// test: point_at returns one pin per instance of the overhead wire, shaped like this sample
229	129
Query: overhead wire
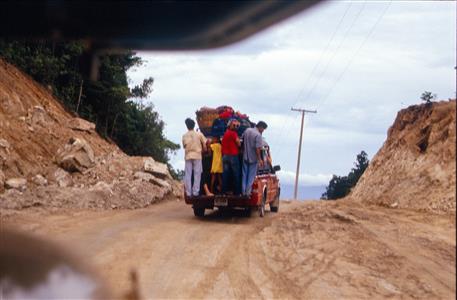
288	122
341	75
336	51
322	74
323	53
356	52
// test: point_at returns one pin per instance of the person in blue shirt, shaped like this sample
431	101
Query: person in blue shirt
252	149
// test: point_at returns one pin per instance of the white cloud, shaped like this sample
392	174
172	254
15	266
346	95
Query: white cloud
288	177
178	164
357	93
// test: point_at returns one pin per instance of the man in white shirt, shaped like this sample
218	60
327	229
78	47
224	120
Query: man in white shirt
193	143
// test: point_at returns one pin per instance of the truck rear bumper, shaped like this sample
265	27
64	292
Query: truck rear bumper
221	201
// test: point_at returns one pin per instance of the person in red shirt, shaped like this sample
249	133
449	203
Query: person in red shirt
231	173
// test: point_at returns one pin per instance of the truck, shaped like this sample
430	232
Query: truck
265	191
265	188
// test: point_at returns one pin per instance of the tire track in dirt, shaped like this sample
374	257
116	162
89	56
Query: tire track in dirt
379	245
234	271
430	268
316	249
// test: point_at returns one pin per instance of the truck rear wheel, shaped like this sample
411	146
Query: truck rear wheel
199	212
274	206
262	206
247	212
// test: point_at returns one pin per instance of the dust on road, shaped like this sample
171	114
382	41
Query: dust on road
314	249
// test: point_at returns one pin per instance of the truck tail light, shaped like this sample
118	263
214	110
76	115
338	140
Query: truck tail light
254	187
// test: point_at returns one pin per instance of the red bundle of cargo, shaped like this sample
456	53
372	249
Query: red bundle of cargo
213	121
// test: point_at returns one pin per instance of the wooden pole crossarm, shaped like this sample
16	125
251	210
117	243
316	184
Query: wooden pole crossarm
303	111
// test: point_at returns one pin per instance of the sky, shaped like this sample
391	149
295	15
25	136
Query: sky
356	62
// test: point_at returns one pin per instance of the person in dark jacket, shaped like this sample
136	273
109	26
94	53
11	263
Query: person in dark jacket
252	149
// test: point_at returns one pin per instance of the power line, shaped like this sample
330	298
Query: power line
337	49
352	58
323	52
357	51
287	134
315	67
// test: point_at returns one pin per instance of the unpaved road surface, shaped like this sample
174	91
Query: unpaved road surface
316	249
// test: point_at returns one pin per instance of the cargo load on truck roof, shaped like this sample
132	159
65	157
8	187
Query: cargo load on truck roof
213	121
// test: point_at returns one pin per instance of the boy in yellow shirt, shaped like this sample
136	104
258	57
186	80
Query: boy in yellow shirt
216	166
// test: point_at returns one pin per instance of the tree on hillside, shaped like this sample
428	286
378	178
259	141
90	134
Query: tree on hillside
52	64
340	186
360	165
108	95
115	108
428	97
139	128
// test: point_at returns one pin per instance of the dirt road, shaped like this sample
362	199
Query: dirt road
308	250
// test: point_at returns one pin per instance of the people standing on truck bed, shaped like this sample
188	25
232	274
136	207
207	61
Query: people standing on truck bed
193	143
216	166
252	147
266	155
230	160
205	182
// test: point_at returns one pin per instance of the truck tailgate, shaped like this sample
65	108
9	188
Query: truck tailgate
221	201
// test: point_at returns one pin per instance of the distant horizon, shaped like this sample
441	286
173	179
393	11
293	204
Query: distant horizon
304	192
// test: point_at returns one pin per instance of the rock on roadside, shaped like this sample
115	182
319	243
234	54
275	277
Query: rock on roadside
81	125
76	156
40	180
4	151
63	178
143	176
156	168
2	181
161	183
38	116
4	144
154	180
16	183
103	187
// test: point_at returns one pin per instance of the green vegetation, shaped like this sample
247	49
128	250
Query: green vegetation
427	97
115	108
340	186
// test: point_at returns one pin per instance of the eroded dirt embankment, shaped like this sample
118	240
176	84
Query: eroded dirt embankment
415	168
49	158
316	249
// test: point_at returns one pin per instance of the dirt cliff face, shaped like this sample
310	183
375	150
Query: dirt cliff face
416	166
50	158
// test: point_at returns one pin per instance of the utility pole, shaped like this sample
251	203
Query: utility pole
303	111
